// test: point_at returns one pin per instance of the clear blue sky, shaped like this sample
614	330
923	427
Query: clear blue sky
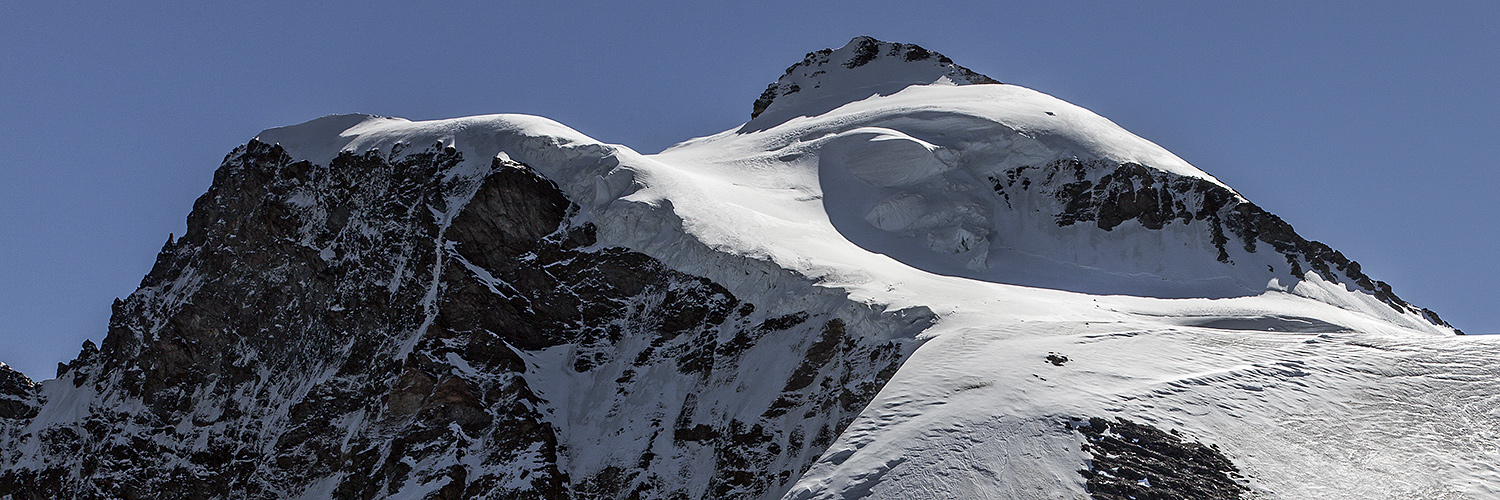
1370	126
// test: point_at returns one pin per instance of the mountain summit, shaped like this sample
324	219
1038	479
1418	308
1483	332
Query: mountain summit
864	67
899	279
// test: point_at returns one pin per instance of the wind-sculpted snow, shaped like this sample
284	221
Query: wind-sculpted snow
901	279
1004	184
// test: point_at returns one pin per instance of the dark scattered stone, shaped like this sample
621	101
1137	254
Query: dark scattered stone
1056	359
1138	461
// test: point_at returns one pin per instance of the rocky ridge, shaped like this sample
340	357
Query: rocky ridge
1107	194
870	66
374	327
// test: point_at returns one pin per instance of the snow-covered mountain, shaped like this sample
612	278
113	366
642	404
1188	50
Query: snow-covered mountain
899	279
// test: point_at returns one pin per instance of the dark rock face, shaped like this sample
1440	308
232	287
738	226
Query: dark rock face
1155	198
19	400
1138	461
385	324
18	395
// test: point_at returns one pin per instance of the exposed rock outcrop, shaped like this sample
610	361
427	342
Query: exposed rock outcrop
880	68
18	395
1138	461
1108	194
